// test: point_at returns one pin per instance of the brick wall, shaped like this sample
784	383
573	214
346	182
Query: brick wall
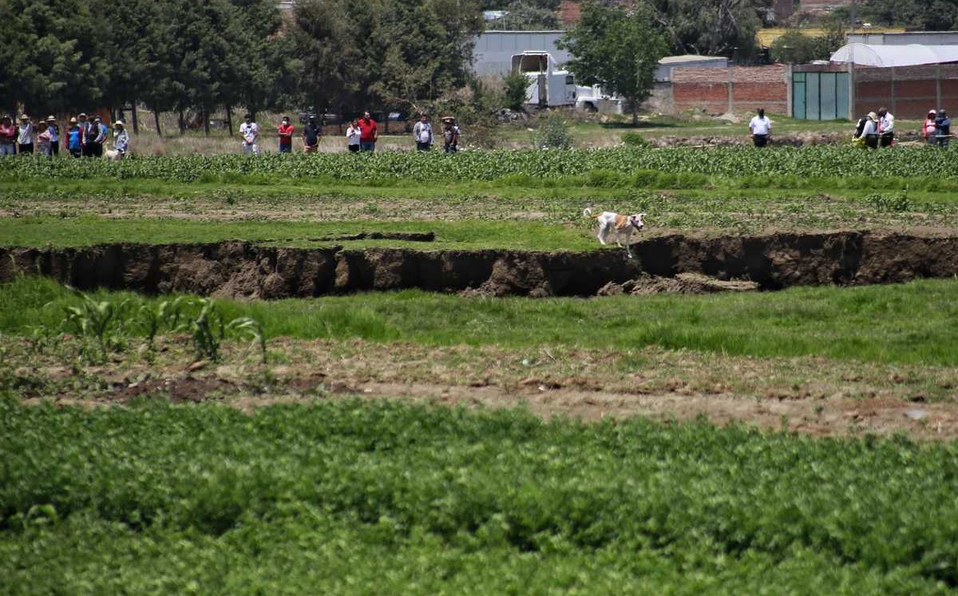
908	92
750	87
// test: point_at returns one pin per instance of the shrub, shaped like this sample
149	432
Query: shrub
554	133
516	86
634	139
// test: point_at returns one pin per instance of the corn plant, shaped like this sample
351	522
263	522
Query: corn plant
253	330
93	319
208	330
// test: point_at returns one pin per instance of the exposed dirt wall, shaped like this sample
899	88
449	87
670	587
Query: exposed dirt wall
243	269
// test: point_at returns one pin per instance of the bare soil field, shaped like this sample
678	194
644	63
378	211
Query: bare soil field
813	396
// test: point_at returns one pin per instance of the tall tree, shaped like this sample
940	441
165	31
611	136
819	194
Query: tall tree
711	27
618	49
51	58
386	53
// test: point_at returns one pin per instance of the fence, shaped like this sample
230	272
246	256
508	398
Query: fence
734	89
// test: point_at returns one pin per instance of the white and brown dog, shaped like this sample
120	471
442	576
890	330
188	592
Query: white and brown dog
620	224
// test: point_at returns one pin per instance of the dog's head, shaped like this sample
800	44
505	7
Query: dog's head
636	221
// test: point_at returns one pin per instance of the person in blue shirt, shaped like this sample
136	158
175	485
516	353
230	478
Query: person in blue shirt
75	139
942	129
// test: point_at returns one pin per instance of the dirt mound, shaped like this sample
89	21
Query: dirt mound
791	140
244	269
683	283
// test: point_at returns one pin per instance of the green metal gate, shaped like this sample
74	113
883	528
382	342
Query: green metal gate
819	95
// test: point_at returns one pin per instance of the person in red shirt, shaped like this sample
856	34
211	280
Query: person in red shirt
368	133
285	136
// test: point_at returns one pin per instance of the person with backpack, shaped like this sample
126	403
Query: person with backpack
74	139
422	132
285	132
25	135
311	136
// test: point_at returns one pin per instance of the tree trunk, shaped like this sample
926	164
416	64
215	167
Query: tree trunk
635	113
136	123
182	122
229	118
156	117
206	122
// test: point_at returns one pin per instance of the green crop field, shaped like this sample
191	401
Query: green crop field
661	440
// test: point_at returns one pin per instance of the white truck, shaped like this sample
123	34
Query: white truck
550	87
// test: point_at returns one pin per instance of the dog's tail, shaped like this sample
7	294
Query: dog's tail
587	212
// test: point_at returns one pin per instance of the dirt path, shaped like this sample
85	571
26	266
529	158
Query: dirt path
812	396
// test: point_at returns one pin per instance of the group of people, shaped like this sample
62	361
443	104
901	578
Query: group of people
876	130
84	137
361	135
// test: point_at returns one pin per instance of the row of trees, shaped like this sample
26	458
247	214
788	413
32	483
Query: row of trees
62	56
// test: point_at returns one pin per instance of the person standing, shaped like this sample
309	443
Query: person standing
54	130
43	140
121	139
8	137
86	128
74	139
353	136
311	135
25	135
285	131
450	135
761	129
886	128
422	132
943	129
929	128
369	133
870	131
249	130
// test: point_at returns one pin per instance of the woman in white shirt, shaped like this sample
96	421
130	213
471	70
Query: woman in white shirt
870	132
353	135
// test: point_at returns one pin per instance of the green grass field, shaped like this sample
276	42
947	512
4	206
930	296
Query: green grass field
332	461
359	498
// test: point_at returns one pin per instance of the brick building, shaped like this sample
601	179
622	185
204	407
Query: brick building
734	89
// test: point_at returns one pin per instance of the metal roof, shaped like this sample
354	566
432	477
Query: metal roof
884	56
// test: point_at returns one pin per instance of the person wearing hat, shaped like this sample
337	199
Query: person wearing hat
8	137
928	129
311	135
25	135
54	129
121	139
942	129
450	134
285	131
870	131
74	138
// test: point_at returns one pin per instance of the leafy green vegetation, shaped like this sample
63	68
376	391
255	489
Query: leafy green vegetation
909	323
359	498
777	167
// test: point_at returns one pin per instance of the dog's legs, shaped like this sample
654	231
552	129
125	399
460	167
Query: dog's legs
628	241
603	232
